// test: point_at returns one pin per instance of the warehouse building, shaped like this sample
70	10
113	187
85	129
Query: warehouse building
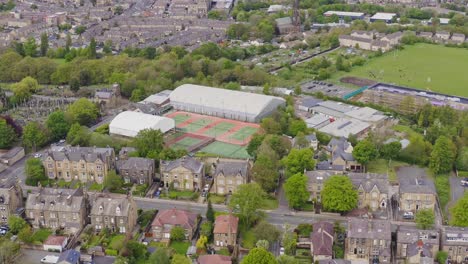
249	107
129	123
342	14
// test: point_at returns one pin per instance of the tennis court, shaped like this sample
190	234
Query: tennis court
186	143
219	129
243	133
181	118
223	149
196	125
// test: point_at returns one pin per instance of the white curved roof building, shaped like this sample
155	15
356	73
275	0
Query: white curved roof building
129	123
249	107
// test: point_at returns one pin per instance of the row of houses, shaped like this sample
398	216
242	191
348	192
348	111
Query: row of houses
369	40
90	164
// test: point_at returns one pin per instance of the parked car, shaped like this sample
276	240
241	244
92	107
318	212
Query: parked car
37	155
50	259
408	215
281	251
464	182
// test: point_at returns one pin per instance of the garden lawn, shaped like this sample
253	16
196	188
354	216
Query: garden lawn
180	247
381	166
41	235
217	199
117	242
423	66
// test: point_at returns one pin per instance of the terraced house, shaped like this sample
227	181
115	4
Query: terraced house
455	242
116	212
85	164
11	199
185	173
57	209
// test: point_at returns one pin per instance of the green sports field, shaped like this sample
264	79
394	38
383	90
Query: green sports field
422	66
196	125
219	129
226	150
243	133
185	143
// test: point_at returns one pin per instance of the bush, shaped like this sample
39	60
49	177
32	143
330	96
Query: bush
177	234
111	252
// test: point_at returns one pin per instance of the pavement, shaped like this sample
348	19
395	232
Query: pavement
28	256
457	191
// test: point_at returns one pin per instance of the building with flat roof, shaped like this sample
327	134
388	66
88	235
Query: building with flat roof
130	123
249	107
343	127
343	14
387	17
317	121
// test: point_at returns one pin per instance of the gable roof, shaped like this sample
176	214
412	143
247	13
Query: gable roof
177	217
187	162
111	204
232	168
88	154
371	229
225	224
367	181
52	199
322	238
134	163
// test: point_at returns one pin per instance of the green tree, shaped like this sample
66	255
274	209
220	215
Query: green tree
23	89
74	84
78	135
254	144
365	151
16	224
259	256
34	171
442	156
7	134
289	241
160	256
246	200
266	231
441	257
8	250
265	172
391	150
210	214
460	212
113	182
270	126
339	194
34	136
296	191
30	47
180	259
462	160
300	141
263	244
149	142
68	43
177	233
299	160
80	30
83	111
44	44
206	229
285	259
201	242
304	229
296	126
424	219
57	125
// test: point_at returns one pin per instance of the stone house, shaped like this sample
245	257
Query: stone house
116	212
381	45
442	35
11	199
352	42
228	175
285	25
322	239
12	156
86	164
136	170
316	179
413	243
393	39
368	240
341	153
458	38
185	173
454	241
370	35
225	230
372	190
312	142
165	220
57	209
416	193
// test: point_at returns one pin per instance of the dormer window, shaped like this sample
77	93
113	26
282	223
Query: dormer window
101	208
2	199
117	210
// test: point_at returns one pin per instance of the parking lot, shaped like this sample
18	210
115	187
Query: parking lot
328	89
29	256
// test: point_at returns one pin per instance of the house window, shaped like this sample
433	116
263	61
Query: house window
187	185
239	182
167	235
98	167
75	216
229	181
52	215
59	165
221	182
31	214
187	177
49	166
68	174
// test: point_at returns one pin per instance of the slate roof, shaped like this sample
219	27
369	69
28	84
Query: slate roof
52	199
368	180
419	247
232	168
370	229
69	257
175	217
311	137
334	261
134	163
5	195
284	21
187	162
410	234
318	176
455	236
416	184
322	238
126	150
225	224
110	204
89	154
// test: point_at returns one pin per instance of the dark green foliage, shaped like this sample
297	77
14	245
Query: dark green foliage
35	172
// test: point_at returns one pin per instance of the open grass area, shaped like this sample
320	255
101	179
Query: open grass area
95	187
180	247
270	204
219	129
217	199
243	133
422	66
117	242
382	166
221	149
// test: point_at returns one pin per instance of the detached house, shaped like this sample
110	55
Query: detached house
165	220
11	199
372	190
225	230
57	209
416	192
185	173
116	212
368	240
228	175
86	164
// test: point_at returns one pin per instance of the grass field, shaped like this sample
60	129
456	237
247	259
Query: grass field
243	133
185	143
422	66
226	150
219	129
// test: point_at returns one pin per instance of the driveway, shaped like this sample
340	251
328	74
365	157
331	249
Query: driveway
29	256
457	191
